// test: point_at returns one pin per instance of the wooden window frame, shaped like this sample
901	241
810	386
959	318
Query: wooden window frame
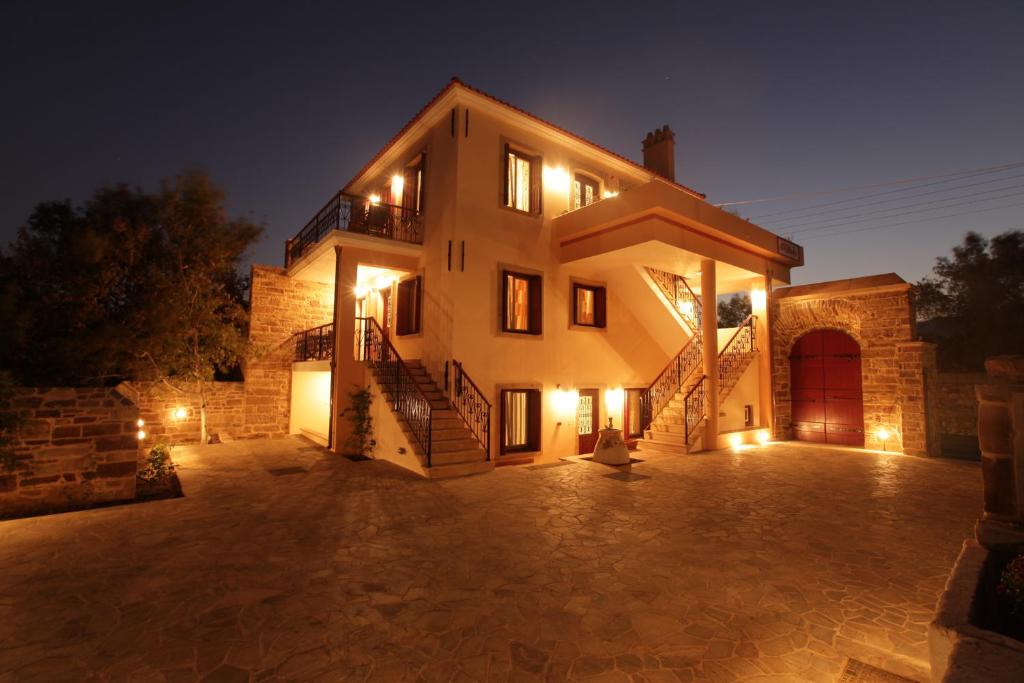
584	179
533	421
600	305
416	169
535	302
406	323
536	198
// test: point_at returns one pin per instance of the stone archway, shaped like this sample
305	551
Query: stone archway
826	389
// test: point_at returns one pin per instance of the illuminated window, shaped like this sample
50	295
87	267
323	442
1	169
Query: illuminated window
522	181
633	417
521	303
520	420
584	191
588	305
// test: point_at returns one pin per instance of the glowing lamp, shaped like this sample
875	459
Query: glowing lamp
758	298
763	437
883	434
141	434
735	440
608	194
360	291
565	401
375	198
140	422
557	178
384	281
180	413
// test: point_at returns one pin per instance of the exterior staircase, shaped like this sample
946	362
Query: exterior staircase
667	432
455	451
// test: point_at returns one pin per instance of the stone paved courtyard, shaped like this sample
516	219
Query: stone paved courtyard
771	564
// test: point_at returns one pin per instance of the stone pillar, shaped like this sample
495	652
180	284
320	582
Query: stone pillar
916	362
759	307
709	330
346	371
1001	439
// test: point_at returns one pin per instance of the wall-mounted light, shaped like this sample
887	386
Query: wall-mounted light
375	198
758	298
140	422
179	413
614	399
735	441
556	178
141	435
565	402
360	291
763	437
384	282
608	194
883	434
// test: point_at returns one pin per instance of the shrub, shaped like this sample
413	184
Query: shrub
159	465
1011	584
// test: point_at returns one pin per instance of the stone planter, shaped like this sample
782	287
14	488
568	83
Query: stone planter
959	649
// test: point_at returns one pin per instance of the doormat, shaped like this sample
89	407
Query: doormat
859	672
547	465
282	471
627	476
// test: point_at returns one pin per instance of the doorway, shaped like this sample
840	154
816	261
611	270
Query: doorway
588	412
825	381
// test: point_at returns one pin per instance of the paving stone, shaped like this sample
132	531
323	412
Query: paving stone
770	564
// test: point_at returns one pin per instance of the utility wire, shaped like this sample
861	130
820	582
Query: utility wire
845	220
918	220
870	187
758	220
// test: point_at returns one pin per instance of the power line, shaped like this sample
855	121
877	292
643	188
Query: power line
816	225
919	220
872	186
881	201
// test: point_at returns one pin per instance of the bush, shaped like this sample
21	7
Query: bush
159	465
1011	585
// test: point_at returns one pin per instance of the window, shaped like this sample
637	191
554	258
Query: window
520	420
522	181
412	188
584	191
520	303
633	414
410	300
588	305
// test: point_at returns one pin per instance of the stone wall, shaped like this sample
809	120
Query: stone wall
281	306
877	312
72	447
172	414
958	404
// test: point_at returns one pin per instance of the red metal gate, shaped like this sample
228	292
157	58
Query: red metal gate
825	386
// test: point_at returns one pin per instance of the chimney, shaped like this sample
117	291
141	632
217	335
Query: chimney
660	152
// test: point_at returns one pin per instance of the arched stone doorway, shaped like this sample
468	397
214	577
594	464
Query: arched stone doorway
825	388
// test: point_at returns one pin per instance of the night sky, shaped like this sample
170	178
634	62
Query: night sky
282	102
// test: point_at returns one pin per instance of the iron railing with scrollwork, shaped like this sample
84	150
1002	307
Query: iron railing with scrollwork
671	380
679	294
470	403
316	343
404	394
351	213
693	409
732	360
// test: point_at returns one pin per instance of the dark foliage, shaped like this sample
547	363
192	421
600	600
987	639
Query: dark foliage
733	311
973	305
129	285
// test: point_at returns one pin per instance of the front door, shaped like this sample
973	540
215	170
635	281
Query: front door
825	374
587	415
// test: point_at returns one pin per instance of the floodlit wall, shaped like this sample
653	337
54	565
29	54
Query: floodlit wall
311	400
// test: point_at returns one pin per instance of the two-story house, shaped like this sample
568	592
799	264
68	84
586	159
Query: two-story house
506	287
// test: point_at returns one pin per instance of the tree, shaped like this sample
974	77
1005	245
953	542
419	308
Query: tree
129	286
732	312
973	305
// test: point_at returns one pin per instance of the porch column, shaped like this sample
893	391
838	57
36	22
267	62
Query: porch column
760	294
345	369
709	330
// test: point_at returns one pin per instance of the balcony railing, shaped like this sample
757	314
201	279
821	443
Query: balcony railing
316	343
679	294
350	213
731	359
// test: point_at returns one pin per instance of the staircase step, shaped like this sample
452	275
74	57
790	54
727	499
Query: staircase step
646	446
450	433
665	437
453	445
458	470
457	457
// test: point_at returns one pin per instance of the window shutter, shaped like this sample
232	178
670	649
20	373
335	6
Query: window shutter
536	305
408	199
600	299
506	180
503	304
423	181
575	294
533	424
502	421
417	298
402	322
536	191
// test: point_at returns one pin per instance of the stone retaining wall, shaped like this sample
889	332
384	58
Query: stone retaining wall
72	447
958	405
161	406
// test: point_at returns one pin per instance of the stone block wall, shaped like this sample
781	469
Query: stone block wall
72	447
957	402
877	312
160	404
281	306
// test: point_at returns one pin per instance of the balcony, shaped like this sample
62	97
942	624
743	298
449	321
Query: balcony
361	215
